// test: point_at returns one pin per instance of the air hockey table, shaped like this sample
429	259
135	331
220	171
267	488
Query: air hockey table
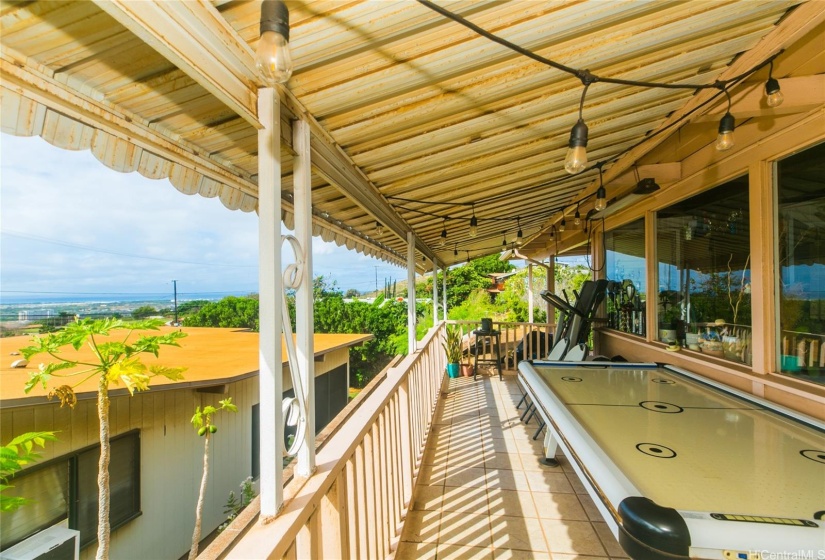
683	467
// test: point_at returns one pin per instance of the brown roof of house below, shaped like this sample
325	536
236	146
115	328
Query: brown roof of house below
212	356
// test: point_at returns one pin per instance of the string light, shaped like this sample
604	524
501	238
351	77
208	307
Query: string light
520	235
772	90
379	228
726	127
455	250
272	57
601	194
504	240
552	233
576	159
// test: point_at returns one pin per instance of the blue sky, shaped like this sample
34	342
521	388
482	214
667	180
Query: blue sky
70	225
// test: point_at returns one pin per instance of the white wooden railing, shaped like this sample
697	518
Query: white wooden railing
355	503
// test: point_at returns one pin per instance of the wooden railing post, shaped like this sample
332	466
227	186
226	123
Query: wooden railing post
405	422
334	521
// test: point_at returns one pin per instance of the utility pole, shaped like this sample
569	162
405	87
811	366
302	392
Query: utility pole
175	285
376	279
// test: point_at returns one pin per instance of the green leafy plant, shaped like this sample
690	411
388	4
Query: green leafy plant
18	453
202	421
113	362
234	506
452	344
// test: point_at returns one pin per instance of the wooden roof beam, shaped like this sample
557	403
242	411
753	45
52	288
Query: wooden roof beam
662	173
802	94
197	39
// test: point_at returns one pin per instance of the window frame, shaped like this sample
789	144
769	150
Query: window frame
72	515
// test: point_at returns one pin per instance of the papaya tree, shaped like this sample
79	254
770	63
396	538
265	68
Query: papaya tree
113	361
202	421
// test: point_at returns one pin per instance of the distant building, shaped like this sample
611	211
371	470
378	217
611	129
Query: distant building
497	280
156	454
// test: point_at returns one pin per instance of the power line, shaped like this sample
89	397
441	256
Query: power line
117	253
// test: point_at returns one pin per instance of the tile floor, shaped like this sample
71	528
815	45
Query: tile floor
482	492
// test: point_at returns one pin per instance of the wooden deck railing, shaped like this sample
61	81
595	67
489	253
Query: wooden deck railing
512	333
803	350
354	505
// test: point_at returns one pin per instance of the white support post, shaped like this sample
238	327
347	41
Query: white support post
304	307
530	292
444	292
411	342
435	294
551	286
270	287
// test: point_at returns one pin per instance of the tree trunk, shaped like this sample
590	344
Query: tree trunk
196	536
103	529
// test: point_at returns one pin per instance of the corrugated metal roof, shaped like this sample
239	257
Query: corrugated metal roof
412	112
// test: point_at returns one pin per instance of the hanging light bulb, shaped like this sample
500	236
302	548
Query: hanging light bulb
552	233
504	239
576	159
519	235
379	228
577	218
562	225
272	57
725	139
443	240
726	126
474	224
601	194
772	90
455	250
601	199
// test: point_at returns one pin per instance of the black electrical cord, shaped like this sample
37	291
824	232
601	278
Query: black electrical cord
585	76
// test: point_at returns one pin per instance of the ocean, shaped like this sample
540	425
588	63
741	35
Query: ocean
33	306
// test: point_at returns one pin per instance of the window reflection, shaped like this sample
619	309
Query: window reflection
626	293
703	247
801	254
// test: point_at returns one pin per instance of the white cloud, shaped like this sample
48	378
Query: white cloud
70	224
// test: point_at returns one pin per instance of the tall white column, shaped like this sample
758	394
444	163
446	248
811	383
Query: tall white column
550	284
530	292
304	306
270	287
411	343
435	294
444	292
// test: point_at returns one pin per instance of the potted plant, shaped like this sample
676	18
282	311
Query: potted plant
452	346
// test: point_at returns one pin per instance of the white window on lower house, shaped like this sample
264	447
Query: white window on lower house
64	490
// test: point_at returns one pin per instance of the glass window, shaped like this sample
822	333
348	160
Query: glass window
625	272
703	247
801	254
55	498
47	489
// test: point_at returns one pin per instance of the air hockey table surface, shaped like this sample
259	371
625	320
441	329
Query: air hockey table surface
680	466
